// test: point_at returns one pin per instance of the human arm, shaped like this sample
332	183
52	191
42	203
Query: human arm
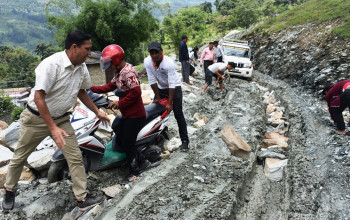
84	97
156	92
103	89
56	132
219	73
169	106
202	57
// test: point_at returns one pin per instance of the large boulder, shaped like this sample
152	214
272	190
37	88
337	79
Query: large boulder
234	142
40	160
26	175
11	134
5	155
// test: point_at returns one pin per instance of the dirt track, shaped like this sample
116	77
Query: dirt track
208	183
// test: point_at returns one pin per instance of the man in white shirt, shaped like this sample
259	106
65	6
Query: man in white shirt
217	70
166	83
59	80
219	53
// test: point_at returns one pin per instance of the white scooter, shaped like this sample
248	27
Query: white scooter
98	156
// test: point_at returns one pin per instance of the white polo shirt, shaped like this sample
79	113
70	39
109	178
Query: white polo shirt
165	75
61	82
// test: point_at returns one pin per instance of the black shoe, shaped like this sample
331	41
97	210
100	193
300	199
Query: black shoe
145	166
184	146
128	179
89	202
9	201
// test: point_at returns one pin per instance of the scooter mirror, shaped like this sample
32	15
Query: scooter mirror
120	93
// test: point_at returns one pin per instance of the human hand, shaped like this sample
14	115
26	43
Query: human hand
169	107
114	104
155	100
104	118
200	65
57	135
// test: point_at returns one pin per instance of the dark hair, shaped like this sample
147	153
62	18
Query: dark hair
75	37
215	42
233	64
184	37
211	42
195	50
326	87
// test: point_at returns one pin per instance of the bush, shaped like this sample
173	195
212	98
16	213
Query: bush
5	103
16	113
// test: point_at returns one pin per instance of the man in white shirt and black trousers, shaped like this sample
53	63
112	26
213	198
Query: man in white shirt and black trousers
166	83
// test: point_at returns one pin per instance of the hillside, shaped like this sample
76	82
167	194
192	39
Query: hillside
307	45
23	23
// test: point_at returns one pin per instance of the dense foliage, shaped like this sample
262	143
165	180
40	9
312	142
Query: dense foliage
126	23
17	65
16	113
5	103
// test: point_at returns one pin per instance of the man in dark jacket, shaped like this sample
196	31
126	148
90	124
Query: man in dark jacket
184	59
338	99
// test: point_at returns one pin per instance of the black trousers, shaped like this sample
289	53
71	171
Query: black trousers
177	108
219	59
206	64
126	132
337	111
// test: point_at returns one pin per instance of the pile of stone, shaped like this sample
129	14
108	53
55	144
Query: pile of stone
38	161
275	145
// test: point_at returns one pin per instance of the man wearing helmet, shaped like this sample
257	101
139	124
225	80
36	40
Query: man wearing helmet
59	80
165	83
131	106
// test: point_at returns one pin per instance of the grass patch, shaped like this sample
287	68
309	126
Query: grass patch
313	11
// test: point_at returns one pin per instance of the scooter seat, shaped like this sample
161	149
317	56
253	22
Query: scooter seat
153	110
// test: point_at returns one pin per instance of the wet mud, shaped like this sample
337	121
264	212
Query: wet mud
207	182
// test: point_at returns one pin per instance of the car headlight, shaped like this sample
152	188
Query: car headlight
247	65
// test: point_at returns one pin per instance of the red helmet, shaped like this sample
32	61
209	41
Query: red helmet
111	54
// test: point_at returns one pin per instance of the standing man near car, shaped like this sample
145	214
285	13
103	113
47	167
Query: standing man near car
59	80
184	59
165	83
218	52
208	57
338	99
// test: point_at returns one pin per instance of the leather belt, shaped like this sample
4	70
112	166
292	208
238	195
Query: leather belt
38	114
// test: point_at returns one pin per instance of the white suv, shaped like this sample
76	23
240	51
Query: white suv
239	52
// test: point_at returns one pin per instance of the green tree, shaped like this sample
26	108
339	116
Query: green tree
126	23
17	64
206	7
46	50
187	21
244	14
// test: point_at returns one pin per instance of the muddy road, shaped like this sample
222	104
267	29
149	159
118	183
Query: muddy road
207	182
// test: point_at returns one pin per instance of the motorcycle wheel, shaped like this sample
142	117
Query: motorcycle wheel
152	153
58	171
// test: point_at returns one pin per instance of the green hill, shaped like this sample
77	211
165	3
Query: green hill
313	11
23	23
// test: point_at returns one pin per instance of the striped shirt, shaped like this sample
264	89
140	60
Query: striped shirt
61	81
165	75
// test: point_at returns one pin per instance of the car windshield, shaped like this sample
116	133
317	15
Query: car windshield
236	51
